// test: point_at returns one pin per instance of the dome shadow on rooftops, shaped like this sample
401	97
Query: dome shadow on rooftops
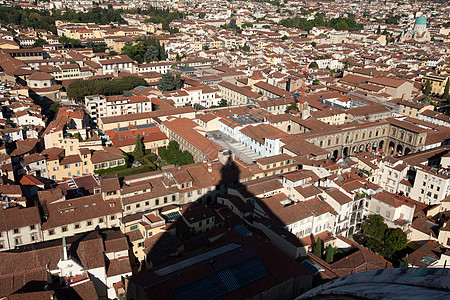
206	240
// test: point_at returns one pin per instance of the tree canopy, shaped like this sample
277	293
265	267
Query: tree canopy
138	151
330	254
55	107
45	19
163	16
293	106
170	82
313	65
381	239
66	40
317	248
446	95
79	88
147	49
427	90
307	25
173	155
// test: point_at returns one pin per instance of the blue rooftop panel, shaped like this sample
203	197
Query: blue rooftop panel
223	282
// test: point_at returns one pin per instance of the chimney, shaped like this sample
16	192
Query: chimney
209	167
64	248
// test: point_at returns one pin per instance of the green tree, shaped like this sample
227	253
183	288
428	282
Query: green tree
317	248
232	24
170	82
313	65
394	240
223	103
202	15
63	40
347	64
39	42
427	90
55	107
80	88
245	48
99	48
381	239
173	155
292	106
185	158
314	44
316	82
374	227
138	151
446	90
330	254
162	52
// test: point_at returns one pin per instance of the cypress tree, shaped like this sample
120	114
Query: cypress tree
446	90
330	254
317	249
138	151
427	90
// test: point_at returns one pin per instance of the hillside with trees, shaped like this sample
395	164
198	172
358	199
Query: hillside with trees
336	23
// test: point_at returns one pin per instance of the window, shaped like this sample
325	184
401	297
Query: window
51	232
100	220
147	203
133	227
77	226
17	241
138	205
113	217
16	230
174	198
165	199
89	223
388	214
64	228
156	202
200	224
378	209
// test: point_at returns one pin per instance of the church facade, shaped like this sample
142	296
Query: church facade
418	33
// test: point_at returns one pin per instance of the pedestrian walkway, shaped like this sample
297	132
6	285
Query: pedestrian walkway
242	153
